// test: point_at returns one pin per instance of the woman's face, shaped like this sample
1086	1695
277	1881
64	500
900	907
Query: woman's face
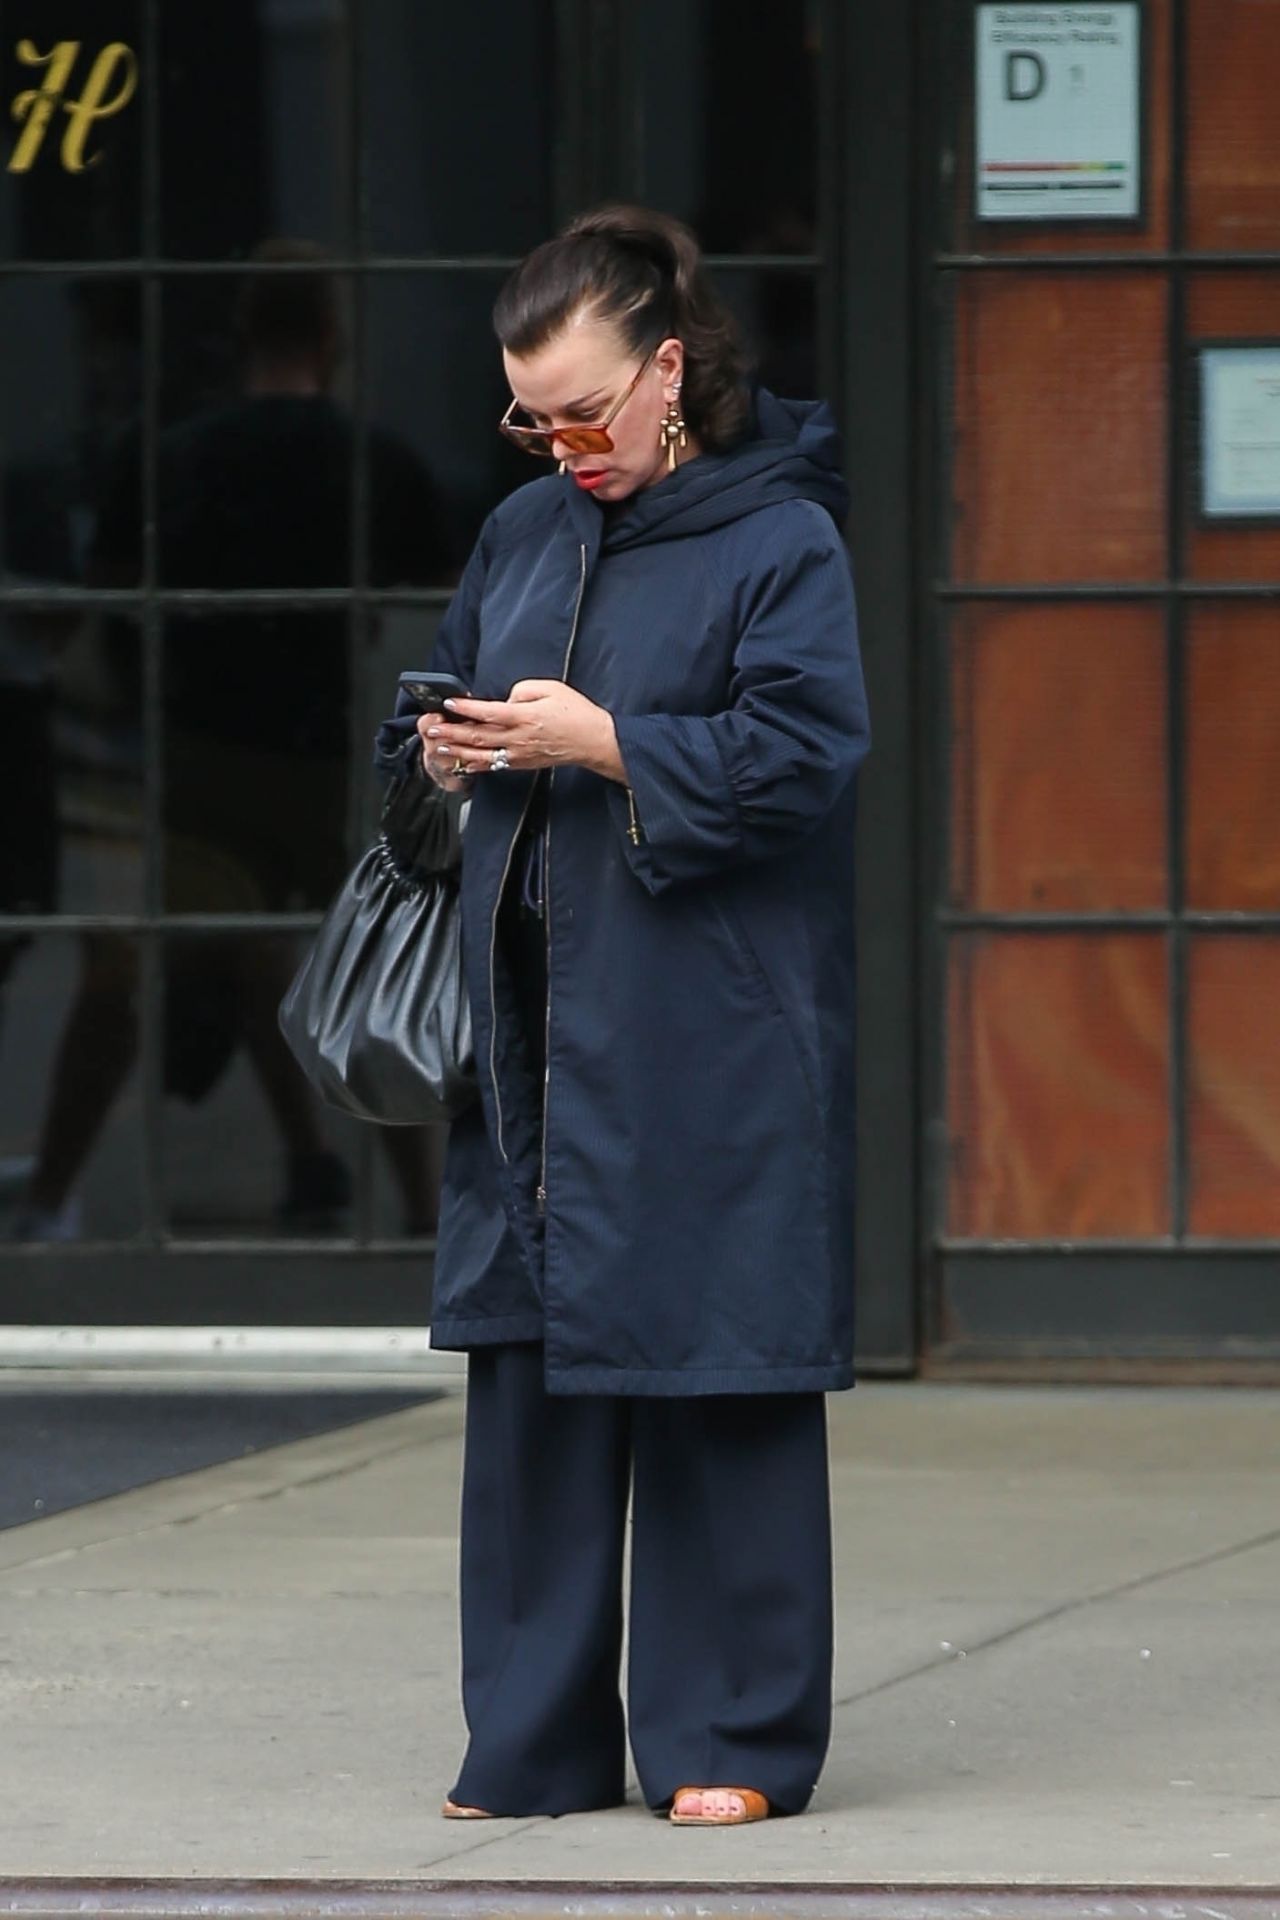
576	379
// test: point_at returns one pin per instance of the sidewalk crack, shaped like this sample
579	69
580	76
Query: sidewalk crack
1065	1607
509	1829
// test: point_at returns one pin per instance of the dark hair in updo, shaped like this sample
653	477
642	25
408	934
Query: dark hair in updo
643	273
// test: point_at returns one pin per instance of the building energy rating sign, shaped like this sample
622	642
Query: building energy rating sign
1058	121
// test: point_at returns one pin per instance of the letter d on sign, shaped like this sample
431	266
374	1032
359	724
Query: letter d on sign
1025	76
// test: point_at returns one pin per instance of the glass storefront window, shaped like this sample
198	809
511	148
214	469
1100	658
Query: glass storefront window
256	101
729	138
435	391
70	674
257	760
459	110
249	1151
407	1167
256	455
778	314
72	111
263	364
70	390
70	1121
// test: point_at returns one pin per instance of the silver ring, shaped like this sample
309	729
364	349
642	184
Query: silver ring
499	760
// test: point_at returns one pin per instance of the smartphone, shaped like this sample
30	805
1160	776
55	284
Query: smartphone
429	691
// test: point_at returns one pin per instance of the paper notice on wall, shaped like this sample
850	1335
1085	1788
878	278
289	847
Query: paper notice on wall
1058	113
1240	432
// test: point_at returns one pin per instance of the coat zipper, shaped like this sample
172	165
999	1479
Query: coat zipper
493	982
546	893
633	831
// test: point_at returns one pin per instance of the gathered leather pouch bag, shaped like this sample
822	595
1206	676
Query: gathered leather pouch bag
377	1016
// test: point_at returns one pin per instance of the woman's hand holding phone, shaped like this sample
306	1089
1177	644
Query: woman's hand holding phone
544	723
428	692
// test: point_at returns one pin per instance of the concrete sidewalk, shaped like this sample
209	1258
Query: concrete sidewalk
1059	1662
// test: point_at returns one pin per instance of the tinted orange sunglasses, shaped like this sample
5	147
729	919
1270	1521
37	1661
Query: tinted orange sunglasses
591	438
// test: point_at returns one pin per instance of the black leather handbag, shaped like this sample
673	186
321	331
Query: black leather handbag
377	1016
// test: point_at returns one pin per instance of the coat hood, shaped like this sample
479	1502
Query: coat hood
790	451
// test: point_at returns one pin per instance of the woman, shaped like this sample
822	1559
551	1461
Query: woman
646	1241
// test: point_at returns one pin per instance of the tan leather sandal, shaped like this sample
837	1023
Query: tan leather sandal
452	1811
754	1807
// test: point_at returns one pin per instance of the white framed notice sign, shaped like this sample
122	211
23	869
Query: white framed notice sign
1240	430
1058	112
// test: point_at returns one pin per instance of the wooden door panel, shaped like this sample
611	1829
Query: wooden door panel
1058	758
1060	435
1233	759
1233	126
1234	1112
1057	1099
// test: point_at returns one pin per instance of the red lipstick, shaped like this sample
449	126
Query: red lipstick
590	478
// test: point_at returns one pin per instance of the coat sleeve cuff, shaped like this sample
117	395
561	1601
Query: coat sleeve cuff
686	817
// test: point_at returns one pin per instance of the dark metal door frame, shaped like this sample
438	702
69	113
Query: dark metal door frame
872	77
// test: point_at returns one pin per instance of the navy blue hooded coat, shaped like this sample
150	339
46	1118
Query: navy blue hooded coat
681	1218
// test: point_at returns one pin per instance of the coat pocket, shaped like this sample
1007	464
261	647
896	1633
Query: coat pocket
734	944
751	971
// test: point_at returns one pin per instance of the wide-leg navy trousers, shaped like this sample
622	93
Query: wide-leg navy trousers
730	1632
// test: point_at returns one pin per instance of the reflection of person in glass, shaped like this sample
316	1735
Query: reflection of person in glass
252	494
646	1237
29	846
44	655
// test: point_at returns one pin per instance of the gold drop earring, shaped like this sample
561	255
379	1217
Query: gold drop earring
672	432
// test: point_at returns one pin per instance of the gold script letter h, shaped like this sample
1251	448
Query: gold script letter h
35	108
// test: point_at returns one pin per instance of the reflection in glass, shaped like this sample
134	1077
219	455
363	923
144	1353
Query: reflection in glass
260	460
406	1186
458	111
408	1161
434	379
728	132
779	319
70	1147
395	640
257	491
257	760
70	692
248	1146
70	386
71	184
254	130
